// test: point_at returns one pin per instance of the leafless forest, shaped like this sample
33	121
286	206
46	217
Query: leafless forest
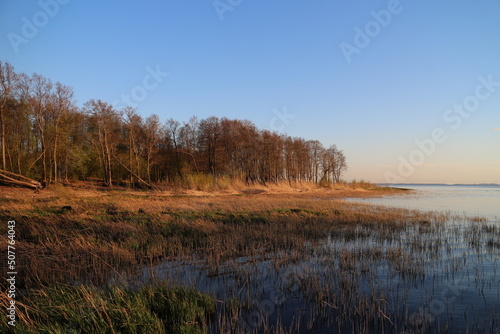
46	137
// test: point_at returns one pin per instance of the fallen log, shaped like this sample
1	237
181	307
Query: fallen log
19	180
150	186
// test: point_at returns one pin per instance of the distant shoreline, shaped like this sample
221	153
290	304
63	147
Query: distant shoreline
440	184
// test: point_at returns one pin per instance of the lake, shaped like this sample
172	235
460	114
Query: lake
473	200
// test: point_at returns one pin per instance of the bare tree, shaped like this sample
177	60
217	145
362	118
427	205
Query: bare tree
173	132
333	164
134	125
104	121
37	91
44	136
62	103
8	80
315	152
188	137
209	135
340	164
152	129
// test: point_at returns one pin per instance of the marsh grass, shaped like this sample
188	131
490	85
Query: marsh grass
88	309
104	234
323	252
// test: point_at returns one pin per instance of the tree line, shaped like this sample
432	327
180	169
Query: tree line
46	137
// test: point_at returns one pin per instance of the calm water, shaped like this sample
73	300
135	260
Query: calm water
423	279
473	200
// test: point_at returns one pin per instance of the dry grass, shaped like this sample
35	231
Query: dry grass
102	232
108	234
201	186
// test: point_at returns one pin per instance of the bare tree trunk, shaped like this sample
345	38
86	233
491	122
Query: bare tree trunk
130	157
55	152
103	162
66	165
149	167
44	159
109	178
19	163
4	164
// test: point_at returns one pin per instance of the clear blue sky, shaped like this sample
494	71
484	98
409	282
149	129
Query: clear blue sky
266	56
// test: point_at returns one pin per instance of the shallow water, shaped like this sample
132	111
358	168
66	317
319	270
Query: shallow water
424	278
473	200
452	287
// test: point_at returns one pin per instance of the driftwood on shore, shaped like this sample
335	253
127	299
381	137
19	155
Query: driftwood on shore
150	186
18	180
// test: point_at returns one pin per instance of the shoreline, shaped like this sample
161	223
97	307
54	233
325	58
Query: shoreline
89	190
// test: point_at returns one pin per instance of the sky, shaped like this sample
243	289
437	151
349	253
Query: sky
409	90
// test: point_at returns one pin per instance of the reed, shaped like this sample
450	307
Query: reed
334	263
88	309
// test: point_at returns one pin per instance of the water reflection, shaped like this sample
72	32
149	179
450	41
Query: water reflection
424	277
471	200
